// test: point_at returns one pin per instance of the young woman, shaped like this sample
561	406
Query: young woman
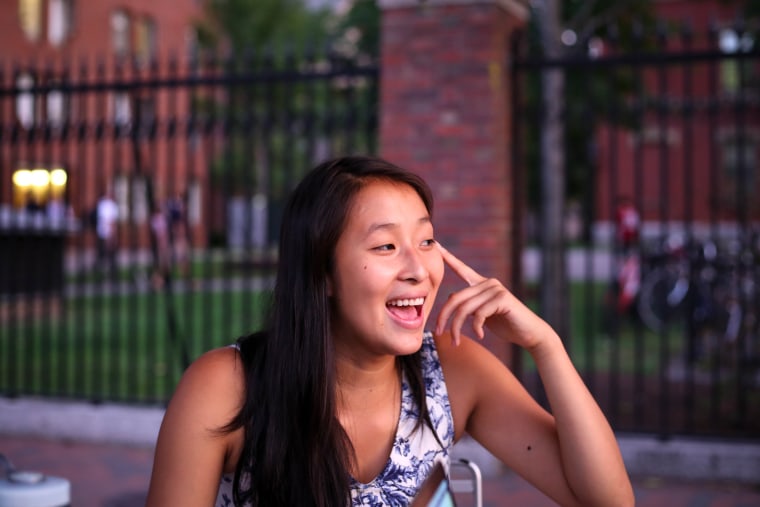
346	399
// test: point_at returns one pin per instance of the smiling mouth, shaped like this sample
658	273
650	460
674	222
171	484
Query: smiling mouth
406	309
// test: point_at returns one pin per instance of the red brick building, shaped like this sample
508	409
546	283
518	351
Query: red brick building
429	121
45	44
44	29
682	164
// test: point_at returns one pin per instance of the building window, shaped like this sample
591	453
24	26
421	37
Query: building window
120	32
32	109
122	109
740	165
191	42
60	17
131	195
740	161
30	17
145	39
25	110
146	109
735	73
56	107
139	201
121	195
194	203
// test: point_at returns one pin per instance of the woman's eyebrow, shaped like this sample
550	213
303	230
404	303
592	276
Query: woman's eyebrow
393	225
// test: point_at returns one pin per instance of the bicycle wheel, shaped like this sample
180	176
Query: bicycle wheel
661	298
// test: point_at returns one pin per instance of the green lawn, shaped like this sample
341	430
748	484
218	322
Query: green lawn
129	347
133	347
601	340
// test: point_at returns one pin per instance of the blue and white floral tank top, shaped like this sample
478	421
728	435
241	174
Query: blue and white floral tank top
413	454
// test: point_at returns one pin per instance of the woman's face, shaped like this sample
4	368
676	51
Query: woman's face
387	272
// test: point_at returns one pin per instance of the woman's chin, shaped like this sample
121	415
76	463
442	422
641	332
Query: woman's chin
409	343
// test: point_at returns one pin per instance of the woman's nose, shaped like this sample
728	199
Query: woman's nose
414	267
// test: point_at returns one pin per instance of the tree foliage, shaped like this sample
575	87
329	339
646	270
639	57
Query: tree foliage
263	36
258	24
584	24
361	28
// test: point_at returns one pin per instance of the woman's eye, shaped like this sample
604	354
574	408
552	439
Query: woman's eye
428	242
385	248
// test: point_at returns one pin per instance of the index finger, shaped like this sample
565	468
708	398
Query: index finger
463	271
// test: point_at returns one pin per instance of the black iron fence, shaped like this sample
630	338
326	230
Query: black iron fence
139	204
197	157
662	137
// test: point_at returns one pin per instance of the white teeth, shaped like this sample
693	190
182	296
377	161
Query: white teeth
407	302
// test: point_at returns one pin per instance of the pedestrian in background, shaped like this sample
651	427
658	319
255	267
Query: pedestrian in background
627	222
106	217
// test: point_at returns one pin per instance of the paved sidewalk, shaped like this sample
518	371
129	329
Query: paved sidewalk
106	452
117	475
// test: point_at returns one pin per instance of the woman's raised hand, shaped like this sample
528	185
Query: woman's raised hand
489	304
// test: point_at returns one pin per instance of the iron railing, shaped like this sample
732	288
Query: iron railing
220	140
664	326
676	131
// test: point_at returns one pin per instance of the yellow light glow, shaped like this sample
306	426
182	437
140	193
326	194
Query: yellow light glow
58	177
40	178
22	178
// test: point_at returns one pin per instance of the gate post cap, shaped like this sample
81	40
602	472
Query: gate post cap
519	8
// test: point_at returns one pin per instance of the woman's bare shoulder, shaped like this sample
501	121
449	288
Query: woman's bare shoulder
207	398
212	387
224	362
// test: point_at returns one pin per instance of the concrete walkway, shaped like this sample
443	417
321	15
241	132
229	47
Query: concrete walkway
106	451
116	475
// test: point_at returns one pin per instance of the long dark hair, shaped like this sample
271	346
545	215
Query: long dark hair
295	450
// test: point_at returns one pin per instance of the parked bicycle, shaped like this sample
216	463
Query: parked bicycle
701	286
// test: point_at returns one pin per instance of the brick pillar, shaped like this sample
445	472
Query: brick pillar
445	114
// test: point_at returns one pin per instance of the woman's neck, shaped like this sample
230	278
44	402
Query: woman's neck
366	379
369	405
357	369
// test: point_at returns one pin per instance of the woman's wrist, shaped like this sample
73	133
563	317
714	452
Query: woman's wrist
546	346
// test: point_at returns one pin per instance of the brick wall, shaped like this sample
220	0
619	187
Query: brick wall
445	115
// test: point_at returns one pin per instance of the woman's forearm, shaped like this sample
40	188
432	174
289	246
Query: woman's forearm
589	451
